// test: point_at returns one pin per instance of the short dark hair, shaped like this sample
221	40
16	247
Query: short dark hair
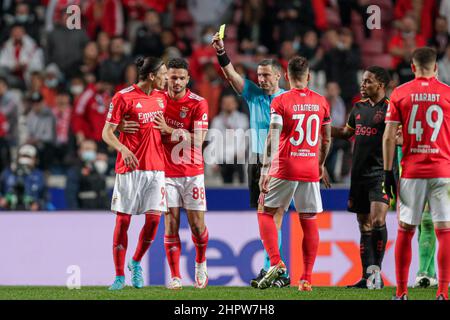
271	62
178	63
381	74
298	67
148	65
424	57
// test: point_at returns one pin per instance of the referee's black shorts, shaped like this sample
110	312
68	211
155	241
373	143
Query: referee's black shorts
254	173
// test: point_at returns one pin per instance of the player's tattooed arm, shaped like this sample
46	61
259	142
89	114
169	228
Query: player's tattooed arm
342	132
234	78
110	139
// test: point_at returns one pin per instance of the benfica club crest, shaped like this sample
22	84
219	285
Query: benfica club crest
183	112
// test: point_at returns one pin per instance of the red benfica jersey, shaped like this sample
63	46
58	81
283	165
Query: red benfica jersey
146	144
422	107
302	112
188	113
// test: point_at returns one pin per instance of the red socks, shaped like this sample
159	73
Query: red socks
443	236
201	242
310	244
403	254
269	236
147	235
120	241
172	245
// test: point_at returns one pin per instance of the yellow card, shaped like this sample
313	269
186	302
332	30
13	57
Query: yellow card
222	31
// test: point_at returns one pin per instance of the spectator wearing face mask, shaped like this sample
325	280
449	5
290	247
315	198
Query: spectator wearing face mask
22	187
86	180
203	55
52	79
41	127
148	36
62	112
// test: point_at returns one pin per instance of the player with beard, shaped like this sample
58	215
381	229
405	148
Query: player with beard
183	128
367	197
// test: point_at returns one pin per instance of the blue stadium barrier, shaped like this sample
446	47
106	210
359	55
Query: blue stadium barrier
231	199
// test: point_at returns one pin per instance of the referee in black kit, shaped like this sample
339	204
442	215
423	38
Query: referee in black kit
367	197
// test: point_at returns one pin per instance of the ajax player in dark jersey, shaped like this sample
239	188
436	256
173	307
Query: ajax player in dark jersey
367	198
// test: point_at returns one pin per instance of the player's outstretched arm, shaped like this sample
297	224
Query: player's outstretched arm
234	78
110	139
342	132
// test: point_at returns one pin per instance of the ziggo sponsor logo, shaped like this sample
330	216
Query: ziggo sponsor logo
365	131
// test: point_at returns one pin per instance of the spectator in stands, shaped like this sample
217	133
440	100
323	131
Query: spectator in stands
229	148
311	50
62	112
148	36
256	27
405	41
444	66
52	80
288	50
41	126
335	158
112	70
210	87
441	37
5	152
90	112
19	57
203	54
89	63
22	187
64	46
288	19
25	17
103	45
131	77
105	15
342	63
208	12
422	11
444	11
86	180
358	6
76	88
9	107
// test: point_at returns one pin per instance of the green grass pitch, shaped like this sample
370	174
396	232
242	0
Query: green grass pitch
210	293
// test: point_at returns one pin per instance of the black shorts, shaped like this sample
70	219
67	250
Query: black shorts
363	193
254	173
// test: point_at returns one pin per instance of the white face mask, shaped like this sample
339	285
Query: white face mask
101	166
76	89
25	161
51	83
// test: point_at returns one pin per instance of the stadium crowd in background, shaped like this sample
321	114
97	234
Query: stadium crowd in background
56	83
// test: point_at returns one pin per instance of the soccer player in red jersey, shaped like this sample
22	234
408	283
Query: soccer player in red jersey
183	127
422	108
299	135
140	182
